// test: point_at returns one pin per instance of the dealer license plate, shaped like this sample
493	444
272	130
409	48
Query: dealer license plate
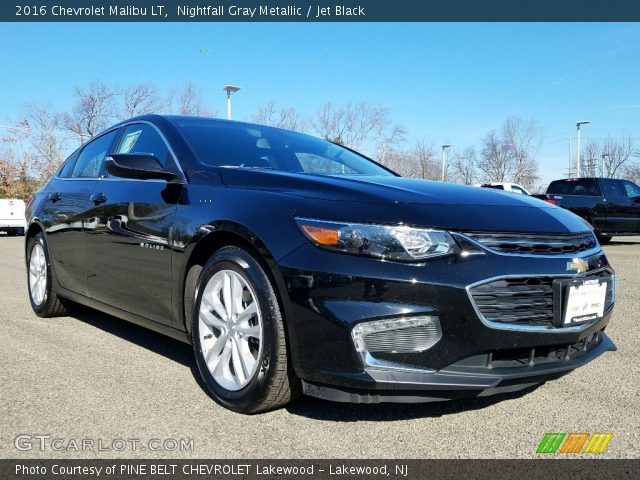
585	302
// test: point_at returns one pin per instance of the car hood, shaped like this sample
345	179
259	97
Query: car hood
412	201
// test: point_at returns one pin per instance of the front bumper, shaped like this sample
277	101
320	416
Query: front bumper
472	357
459	381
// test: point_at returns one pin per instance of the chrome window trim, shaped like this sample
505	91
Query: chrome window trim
537	328
124	126
585	253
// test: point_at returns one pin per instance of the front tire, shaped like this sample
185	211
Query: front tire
604	239
45	302
238	335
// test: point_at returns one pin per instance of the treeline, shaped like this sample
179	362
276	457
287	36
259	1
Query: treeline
33	147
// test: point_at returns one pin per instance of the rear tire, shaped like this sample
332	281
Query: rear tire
45	302
238	335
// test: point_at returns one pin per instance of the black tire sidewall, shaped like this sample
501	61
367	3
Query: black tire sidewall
240	261
43	308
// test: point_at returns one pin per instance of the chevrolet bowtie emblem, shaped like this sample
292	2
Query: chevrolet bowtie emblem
577	265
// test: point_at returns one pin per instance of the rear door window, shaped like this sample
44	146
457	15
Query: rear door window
631	189
578	186
614	189
90	159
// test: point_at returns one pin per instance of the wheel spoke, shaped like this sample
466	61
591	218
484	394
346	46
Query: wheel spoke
249	330
238	366
226	295
236	294
33	264
248	360
41	260
212	302
223	362
248	313
41	289
210	318
216	349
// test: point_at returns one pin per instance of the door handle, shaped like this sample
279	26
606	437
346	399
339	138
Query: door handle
54	197
98	198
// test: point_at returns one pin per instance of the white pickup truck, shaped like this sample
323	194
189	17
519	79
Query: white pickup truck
12	219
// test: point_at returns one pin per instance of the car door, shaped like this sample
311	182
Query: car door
633	192
67	208
130	244
620	208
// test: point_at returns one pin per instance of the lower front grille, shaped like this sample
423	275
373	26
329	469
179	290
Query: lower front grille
529	357
523	301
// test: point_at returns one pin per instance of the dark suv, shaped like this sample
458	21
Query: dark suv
293	265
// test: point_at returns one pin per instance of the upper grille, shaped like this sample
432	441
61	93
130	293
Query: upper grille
536	244
522	301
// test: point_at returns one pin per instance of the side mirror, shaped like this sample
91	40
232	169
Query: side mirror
138	166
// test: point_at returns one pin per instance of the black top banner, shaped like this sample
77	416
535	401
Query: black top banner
319	11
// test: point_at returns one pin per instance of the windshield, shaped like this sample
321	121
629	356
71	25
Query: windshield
229	144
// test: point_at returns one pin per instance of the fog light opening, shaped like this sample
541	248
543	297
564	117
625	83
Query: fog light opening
396	335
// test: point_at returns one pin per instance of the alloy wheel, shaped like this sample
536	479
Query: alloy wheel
230	329
38	274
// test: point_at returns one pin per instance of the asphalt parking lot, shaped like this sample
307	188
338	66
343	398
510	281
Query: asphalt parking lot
92	376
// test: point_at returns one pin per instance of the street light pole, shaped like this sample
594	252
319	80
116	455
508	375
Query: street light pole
444	158
230	89
604	155
578	123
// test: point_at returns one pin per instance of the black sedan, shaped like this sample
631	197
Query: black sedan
295	265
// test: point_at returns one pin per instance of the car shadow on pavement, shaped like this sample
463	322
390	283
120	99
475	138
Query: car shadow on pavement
317	409
156	342
306	406
622	243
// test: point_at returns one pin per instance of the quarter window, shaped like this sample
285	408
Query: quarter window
90	159
67	166
632	189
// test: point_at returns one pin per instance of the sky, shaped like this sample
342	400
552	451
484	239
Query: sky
446	83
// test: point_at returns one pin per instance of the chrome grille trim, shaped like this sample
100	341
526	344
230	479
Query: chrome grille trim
549	328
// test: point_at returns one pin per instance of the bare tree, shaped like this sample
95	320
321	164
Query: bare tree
616	153
14	176
609	158
141	99
632	172
355	124
46	142
280	117
523	140
426	160
403	162
388	141
464	166
495	159
188	101
93	111
509	155
590	157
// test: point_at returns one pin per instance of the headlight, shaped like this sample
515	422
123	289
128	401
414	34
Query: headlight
382	241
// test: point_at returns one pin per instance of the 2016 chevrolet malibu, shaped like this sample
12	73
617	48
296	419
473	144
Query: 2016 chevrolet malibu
293	265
